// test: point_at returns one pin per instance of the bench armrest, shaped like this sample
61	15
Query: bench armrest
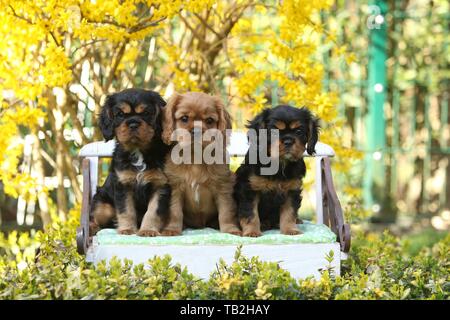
100	149
83	237
332	210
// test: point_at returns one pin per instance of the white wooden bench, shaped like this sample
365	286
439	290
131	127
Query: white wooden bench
301	260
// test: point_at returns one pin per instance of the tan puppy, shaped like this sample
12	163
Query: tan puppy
201	193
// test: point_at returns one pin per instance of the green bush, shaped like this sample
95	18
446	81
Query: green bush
47	266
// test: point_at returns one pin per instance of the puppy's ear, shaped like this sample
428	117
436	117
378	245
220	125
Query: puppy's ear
259	122
224	117
168	118
106	118
159	103
313	133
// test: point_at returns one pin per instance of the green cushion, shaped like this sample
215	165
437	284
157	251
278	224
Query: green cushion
312	233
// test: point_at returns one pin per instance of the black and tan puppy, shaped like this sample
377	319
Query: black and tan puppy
135	195
272	201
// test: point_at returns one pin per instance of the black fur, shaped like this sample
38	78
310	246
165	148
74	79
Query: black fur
270	202
108	122
113	192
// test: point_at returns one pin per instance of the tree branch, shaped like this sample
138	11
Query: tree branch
115	64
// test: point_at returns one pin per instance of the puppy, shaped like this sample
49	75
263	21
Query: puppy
272	201
201	192
135	193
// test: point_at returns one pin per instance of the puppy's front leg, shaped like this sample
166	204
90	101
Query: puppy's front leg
174	225
228	221
126	217
151	222
288	214
249	217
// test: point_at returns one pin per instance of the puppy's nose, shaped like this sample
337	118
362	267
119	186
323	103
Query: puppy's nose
133	124
196	130
288	141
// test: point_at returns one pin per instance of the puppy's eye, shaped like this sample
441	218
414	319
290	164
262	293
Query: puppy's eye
300	131
209	121
184	119
120	113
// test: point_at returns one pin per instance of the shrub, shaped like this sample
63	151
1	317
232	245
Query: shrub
46	265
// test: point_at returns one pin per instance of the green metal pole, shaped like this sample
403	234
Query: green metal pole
396	114
374	179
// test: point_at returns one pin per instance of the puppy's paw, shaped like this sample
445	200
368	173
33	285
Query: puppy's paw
291	232
148	233
231	230
93	228
170	233
252	233
235	232
126	231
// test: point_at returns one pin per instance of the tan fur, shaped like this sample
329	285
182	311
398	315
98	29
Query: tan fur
260	183
280	125
169	119
104	213
288	219
139	108
130	140
251	227
294	125
174	224
126	177
295	151
125	107
212	186
151	222
93	228
276	149
154	176
126	221
198	107
201	194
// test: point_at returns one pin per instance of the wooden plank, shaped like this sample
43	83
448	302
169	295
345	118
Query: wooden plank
301	260
238	147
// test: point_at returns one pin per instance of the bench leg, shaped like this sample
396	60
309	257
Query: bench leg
319	196
83	230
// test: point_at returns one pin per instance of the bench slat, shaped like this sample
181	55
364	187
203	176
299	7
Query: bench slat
238	147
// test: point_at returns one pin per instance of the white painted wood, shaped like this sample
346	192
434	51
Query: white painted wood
318	186
93	168
99	149
301	260
238	147
238	144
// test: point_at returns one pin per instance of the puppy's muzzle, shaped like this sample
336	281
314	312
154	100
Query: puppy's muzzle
133	124
288	142
196	132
